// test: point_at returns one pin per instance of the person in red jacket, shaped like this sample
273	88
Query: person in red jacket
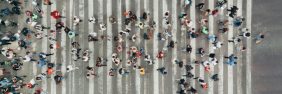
55	14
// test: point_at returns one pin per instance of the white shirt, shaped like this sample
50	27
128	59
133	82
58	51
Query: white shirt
102	27
27	58
92	20
205	63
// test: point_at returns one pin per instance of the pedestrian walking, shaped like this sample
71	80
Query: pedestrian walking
92	19
162	70
71	68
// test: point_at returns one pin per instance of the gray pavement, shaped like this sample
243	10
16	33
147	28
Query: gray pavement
152	82
266	71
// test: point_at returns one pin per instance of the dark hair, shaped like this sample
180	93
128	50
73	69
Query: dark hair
262	36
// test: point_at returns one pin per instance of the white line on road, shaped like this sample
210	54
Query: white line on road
230	51
174	31
53	57
240	63
63	53
44	45
109	47
119	22
101	49
211	50
155	48
249	45
91	44
137	73
221	61
193	40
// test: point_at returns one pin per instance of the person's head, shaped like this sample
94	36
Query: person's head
248	34
164	72
38	78
243	48
167	22
166	13
262	36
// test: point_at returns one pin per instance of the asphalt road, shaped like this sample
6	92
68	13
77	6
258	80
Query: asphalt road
266	71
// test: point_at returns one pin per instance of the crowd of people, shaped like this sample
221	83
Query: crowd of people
24	38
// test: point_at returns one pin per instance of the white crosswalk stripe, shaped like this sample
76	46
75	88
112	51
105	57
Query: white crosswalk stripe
155	46
119	22
211	50
109	47
230	51
249	46
91	44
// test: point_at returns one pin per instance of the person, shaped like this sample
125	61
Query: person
233	11
203	84
221	4
235	40
58	78
112	19
71	68
60	25
55	14
111	72
179	62
31	83
47	2
193	90
123	71
90	72
44	55
102	27
189	75
188	67
188	49
187	2
160	54
166	14
246	34
232	59
86	55
148	59
92	19
100	61
171	44
217	44
144	16
215	77
259	38
201	52
238	21
76	20
200	6
40	76
162	70
28	58
140	25
4	42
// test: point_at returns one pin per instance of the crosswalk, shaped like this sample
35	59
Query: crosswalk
152	82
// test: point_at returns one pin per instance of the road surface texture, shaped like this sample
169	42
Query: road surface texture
266	71
233	79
